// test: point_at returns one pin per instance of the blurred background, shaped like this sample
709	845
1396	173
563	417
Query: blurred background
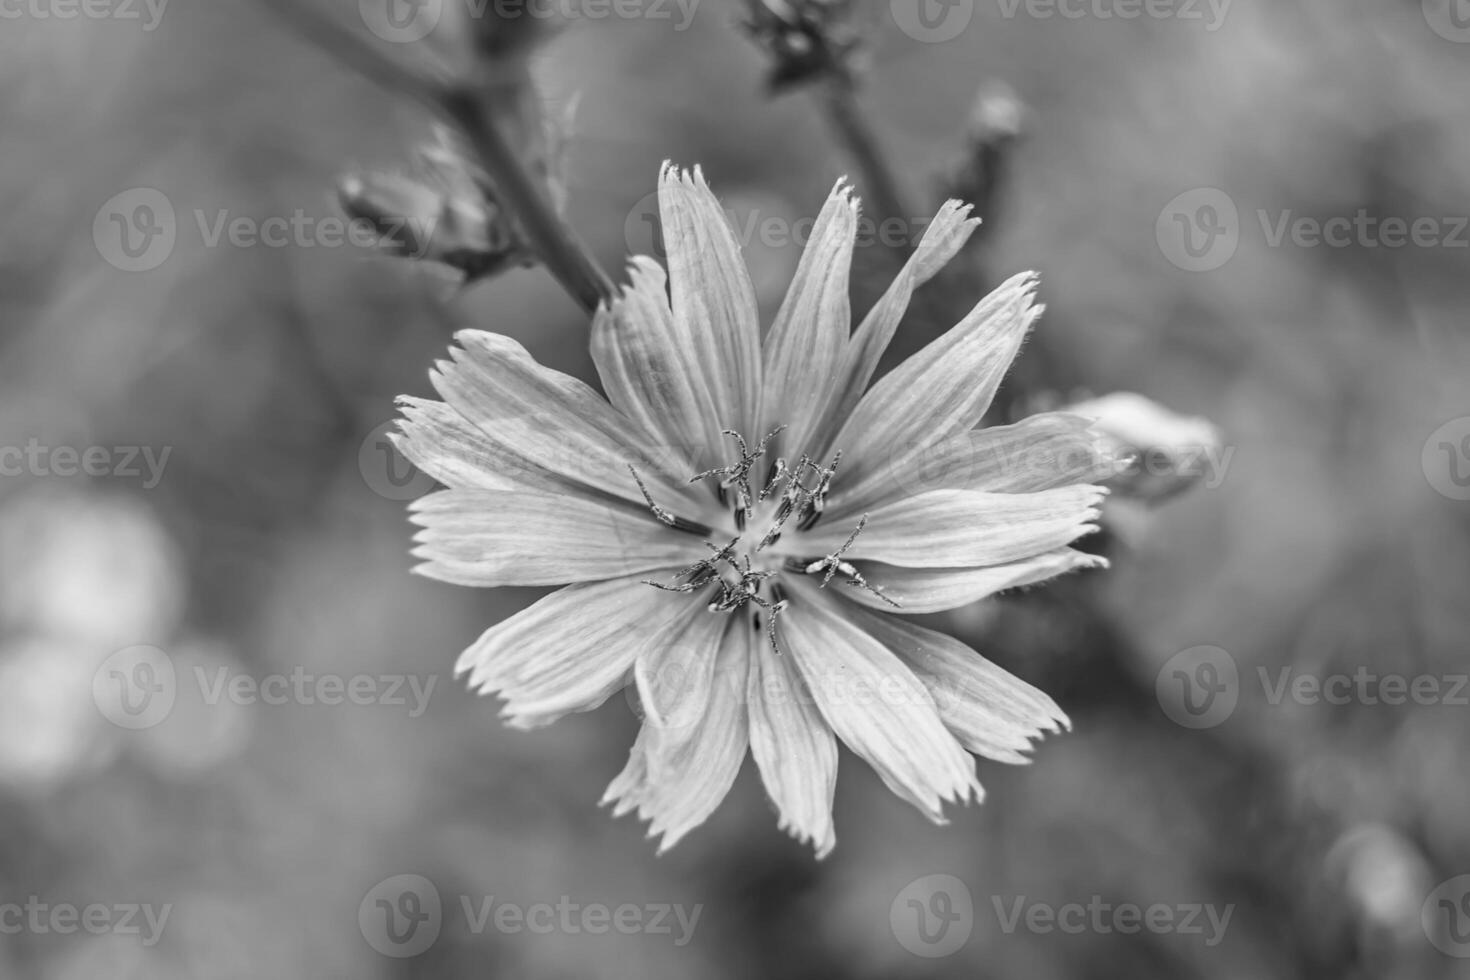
198	499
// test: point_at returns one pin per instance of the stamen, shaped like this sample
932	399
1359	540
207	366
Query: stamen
672	520
737	585
737	474
833	564
702	572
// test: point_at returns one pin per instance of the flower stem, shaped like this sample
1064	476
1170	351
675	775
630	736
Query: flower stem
526	200
862	143
472	111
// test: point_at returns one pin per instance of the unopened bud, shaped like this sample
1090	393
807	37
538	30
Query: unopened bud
996	122
1157	453
806	39
448	215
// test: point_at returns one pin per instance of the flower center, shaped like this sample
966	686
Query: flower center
744	573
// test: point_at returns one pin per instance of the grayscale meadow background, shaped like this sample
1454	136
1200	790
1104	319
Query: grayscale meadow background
191	431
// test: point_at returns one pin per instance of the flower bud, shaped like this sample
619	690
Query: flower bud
806	39
446	214
1157	453
995	124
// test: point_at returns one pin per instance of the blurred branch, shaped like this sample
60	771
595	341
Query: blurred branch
355	53
813	42
857	136
475	111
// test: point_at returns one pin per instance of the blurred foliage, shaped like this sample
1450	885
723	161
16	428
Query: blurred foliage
264	548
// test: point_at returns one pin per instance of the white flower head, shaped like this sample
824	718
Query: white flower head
742	514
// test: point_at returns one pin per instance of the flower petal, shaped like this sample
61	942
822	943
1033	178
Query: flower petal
675	678
945	236
497	537
930	590
875	704
791	743
677	778
944	389
448	447
991	711
573	649
1038	453
649	370
806	340
951	528
713	301
557	424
